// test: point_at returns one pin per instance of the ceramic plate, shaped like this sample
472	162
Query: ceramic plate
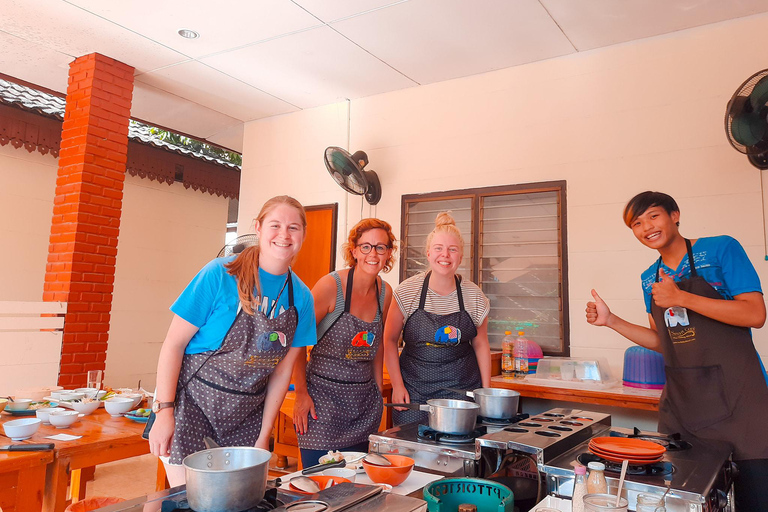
627	447
25	412
131	415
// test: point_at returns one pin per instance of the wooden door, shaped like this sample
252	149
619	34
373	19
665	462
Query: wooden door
318	253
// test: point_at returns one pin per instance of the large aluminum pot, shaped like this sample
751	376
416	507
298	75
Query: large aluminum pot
226	479
448	416
495	403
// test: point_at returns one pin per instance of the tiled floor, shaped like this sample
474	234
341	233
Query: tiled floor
131	478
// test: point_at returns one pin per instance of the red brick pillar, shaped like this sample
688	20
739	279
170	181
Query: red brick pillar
86	210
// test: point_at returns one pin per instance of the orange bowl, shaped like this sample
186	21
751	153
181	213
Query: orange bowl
393	475
322	481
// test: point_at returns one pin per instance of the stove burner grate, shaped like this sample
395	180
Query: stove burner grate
656	469
270	502
482	420
672	442
430	434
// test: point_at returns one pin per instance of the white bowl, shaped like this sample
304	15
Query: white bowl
63	419
18	430
88	392
85	407
44	412
136	397
18	404
349	474
71	395
118	406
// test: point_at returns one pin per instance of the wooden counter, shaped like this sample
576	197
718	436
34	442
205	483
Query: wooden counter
619	396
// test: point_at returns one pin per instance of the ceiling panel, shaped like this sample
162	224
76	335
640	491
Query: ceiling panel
330	10
434	40
201	84
70	30
595	23
34	63
222	25
155	106
311	68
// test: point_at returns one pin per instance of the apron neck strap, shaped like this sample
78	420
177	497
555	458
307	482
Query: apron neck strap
689	250
289	283
425	287
348	294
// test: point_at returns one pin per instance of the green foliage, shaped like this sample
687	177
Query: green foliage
197	146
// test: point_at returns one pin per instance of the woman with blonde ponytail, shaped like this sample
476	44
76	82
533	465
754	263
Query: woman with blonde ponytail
238	328
444	323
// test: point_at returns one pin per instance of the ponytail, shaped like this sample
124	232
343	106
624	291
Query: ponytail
245	268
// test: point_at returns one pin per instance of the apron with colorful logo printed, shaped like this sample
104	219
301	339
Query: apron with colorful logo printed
715	385
221	393
341	383
438	354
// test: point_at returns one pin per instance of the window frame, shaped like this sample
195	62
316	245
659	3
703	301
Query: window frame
475	244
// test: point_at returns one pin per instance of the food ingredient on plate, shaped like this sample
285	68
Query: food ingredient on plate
331	457
143	412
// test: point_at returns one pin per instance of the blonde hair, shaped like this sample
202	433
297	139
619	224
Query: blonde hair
245	267
444	223
357	231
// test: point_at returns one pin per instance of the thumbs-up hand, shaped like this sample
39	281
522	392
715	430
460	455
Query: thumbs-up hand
598	312
666	293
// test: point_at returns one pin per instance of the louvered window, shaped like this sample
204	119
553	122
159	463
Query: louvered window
515	251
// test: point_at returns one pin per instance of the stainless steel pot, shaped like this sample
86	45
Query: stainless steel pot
448	416
226	479
495	403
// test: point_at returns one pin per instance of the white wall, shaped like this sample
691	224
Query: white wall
167	234
27	187
612	122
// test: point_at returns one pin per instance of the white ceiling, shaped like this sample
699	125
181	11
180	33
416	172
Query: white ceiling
259	58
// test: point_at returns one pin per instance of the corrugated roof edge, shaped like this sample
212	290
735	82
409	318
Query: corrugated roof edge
52	106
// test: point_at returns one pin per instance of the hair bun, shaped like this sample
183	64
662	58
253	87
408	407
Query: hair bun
444	219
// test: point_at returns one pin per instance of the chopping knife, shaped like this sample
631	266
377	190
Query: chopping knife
27	447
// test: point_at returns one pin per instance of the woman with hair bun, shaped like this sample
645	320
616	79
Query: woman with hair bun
444	323
226	361
338	393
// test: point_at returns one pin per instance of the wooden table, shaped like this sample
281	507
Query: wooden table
619	396
104	439
22	479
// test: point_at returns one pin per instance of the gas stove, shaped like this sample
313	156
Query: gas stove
700	473
446	454
545	436
349	497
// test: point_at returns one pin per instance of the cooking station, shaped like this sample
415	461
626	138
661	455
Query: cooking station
347	496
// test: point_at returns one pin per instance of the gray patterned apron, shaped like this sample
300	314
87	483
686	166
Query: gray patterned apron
438	354
341	383
221	393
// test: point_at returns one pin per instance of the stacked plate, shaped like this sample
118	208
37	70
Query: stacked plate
618	449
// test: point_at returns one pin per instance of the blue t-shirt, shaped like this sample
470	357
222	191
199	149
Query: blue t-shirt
210	303
721	261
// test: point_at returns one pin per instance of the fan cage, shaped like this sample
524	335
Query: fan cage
743	92
238	244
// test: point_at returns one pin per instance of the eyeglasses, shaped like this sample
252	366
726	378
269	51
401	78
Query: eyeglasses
366	248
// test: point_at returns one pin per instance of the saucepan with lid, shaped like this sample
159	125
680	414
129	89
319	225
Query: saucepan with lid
495	403
447	416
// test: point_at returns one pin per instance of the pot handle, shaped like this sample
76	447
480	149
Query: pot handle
210	443
417	407
470	394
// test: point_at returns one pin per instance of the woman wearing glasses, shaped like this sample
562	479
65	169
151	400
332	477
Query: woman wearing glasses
338	393
444	323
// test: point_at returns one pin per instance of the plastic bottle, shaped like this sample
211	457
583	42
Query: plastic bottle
507	347
520	354
579	489
596	483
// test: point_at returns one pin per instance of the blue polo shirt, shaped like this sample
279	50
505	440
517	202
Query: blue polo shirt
721	261
210	302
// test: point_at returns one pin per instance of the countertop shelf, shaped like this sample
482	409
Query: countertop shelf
618	396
